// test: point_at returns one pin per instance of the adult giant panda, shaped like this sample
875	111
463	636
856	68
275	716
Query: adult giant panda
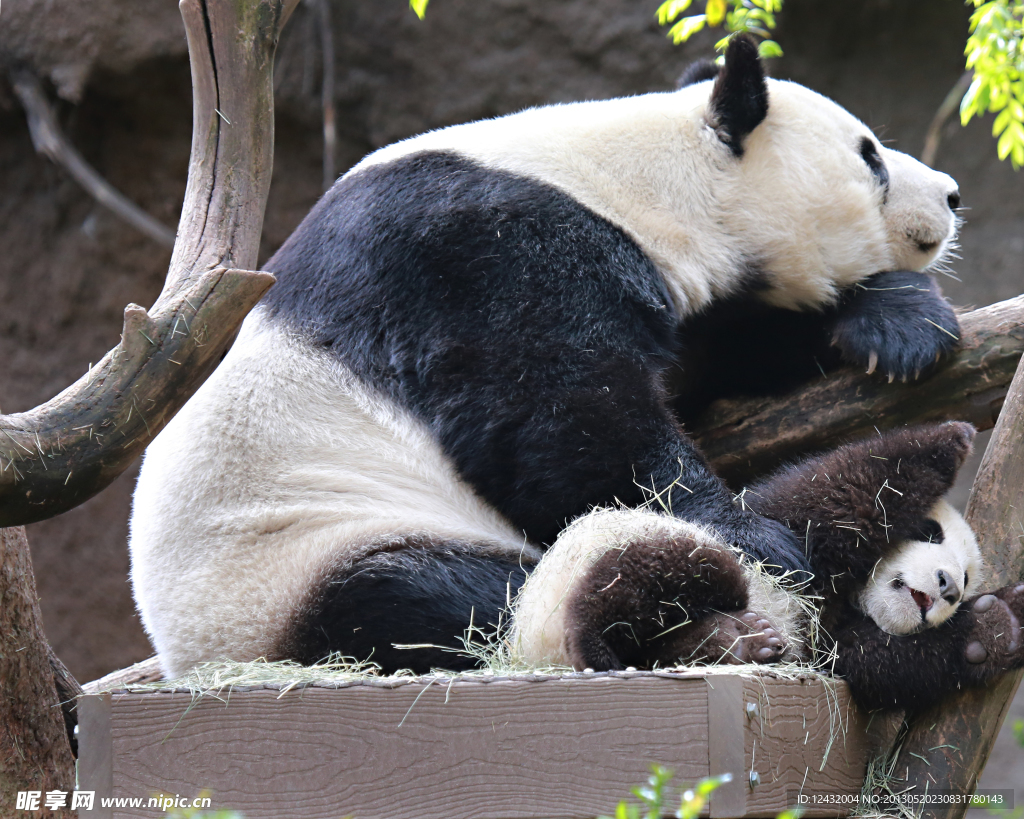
893	563
467	348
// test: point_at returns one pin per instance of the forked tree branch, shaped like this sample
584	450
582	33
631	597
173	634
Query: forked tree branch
61	453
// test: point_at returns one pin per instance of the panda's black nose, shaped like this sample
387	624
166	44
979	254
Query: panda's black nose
949	591
954	200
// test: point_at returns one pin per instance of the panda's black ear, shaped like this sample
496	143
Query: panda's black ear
739	100
696	72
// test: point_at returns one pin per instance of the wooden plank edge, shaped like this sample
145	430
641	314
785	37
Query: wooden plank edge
95	751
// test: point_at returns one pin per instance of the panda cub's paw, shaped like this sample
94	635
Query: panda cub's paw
897	324
996	641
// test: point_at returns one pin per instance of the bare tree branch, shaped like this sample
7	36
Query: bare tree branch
747	438
327	92
49	139
949	104
59	454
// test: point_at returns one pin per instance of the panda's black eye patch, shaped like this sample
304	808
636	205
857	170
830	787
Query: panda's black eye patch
869	153
929	531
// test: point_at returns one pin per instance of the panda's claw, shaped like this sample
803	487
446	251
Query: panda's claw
900	325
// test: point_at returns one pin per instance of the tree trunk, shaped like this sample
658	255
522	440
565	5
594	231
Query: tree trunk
35	754
947	746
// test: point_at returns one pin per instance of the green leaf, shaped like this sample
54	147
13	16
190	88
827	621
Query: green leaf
769	48
715	11
419	6
708	784
686	28
1005	144
1004	118
670	9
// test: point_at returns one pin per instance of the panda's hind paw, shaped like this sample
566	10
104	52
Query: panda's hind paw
729	638
997	640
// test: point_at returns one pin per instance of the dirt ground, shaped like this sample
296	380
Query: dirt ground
68	267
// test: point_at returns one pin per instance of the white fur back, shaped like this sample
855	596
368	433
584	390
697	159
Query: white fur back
280	469
800	208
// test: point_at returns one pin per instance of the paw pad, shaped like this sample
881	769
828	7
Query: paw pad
763	645
976	653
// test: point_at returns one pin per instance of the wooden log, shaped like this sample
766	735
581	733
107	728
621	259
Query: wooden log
947	747
745	439
512	748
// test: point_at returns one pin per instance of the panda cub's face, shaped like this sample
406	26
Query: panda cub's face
923	582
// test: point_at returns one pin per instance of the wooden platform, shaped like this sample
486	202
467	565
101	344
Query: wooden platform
483	747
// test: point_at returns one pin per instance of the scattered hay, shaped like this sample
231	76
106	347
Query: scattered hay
880	795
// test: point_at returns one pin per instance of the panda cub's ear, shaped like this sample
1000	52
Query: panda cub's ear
739	100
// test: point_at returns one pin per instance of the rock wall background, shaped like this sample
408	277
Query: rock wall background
68	267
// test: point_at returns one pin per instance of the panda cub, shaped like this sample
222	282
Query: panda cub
893	564
470	344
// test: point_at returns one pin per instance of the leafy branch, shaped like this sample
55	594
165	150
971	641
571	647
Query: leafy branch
755	17
996	55
994	51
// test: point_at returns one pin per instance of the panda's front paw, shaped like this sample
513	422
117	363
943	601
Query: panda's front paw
767	541
896	323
